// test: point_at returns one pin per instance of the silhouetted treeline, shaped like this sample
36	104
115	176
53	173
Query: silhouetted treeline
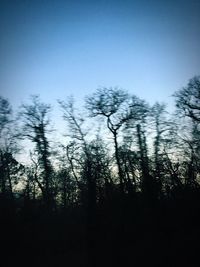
120	188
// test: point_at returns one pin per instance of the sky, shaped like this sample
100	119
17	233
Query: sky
58	48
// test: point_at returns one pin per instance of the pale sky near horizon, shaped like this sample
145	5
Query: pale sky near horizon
58	48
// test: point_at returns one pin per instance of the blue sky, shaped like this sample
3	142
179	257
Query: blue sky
57	48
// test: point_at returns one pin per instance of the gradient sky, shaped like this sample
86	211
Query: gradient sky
58	48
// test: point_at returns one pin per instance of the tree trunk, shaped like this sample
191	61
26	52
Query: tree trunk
120	172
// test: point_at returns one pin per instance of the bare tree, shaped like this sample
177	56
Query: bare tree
188	99
188	105
87	172
79	136
163	127
35	121
119	110
5	114
10	168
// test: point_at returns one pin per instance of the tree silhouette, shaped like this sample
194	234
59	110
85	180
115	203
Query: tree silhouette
35	122
119	110
121	188
188	99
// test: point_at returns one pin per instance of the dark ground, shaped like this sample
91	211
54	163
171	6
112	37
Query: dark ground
165	234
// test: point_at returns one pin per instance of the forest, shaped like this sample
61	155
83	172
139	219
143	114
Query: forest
120	187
